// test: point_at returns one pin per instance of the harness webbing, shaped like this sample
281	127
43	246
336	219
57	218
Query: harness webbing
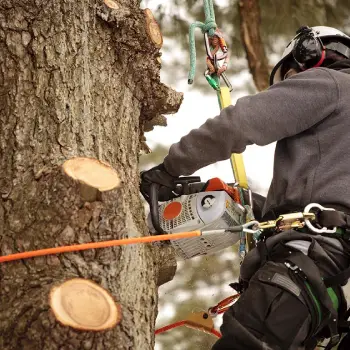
237	162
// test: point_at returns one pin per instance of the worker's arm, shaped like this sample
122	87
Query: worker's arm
286	109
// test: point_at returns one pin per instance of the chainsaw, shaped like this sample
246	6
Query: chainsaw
213	206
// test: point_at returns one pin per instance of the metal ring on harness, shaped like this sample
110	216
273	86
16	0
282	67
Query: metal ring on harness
311	226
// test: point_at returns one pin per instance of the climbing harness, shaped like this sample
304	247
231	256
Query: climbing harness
323	293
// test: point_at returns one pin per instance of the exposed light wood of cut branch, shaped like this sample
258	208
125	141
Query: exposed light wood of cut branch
111	4
82	304
92	172
153	29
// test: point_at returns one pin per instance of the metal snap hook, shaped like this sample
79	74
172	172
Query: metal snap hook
245	227
311	226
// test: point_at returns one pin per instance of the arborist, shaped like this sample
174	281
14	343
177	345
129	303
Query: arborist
290	284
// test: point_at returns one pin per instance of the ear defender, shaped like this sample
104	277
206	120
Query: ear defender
308	50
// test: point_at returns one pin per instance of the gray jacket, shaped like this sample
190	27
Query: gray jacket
309	117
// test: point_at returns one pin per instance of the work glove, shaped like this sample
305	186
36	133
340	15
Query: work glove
160	176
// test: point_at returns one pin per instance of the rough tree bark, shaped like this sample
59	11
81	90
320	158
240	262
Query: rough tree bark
77	78
250	20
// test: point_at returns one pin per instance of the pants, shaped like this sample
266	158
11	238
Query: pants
273	313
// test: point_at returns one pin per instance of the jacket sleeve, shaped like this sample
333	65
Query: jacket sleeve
285	109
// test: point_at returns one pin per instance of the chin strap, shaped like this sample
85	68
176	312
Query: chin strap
323	56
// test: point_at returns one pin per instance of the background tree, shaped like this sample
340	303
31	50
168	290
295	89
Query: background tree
77	78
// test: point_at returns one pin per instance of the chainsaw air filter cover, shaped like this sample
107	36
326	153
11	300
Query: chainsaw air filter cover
201	211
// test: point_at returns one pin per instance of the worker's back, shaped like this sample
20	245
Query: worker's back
314	166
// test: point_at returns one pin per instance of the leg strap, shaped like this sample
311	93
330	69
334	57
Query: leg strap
308	271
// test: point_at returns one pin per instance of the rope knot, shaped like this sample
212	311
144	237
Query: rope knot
209	27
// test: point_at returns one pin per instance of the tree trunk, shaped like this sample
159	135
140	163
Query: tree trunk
249	11
77	78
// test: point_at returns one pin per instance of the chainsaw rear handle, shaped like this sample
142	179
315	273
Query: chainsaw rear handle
186	185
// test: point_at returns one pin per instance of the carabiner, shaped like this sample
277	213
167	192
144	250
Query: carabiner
219	56
312	227
250	224
227	82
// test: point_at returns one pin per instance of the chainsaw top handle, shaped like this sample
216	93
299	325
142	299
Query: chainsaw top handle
184	185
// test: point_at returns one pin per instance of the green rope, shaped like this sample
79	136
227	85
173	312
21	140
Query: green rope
208	26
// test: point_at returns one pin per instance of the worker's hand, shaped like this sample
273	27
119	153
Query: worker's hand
160	176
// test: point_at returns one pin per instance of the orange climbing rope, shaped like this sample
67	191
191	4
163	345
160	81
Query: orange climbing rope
94	245
188	324
170	326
